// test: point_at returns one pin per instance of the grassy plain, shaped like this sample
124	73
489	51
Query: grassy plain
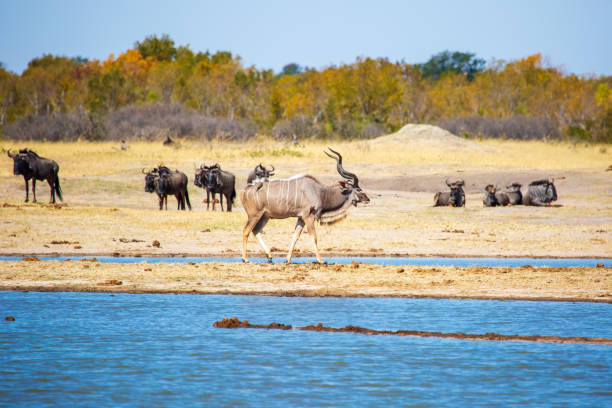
106	210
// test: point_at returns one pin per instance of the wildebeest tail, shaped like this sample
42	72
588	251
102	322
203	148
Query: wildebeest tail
233	195
436	197
58	189
187	199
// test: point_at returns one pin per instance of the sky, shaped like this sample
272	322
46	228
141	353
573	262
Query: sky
572	35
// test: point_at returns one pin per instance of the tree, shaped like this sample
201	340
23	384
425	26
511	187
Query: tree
159	49
291	69
457	62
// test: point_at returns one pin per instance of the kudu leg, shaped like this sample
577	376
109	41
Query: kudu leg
246	231
257	231
310	225
299	226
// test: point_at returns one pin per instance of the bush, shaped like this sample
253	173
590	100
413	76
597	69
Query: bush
62	126
515	127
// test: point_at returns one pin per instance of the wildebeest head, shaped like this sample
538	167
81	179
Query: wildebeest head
213	178
21	162
490	198
201	175
349	186
261	172
456	192
150	179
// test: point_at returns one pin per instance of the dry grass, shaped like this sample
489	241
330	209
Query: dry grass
357	279
106	211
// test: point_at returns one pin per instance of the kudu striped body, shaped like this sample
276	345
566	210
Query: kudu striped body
301	196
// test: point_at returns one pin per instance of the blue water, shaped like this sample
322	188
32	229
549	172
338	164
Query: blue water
425	261
96	349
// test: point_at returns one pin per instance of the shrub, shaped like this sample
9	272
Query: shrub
515	127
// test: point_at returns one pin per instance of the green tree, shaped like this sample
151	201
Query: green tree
158	48
457	62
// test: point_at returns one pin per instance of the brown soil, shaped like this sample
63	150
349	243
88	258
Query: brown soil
235	323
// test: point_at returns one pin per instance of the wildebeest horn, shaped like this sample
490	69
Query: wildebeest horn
143	171
9	153
446	181
347	175
270	171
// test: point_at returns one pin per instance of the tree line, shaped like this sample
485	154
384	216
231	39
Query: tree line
203	94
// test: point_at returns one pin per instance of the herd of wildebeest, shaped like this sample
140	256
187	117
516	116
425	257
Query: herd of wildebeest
301	196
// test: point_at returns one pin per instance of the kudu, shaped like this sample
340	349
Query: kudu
31	166
300	196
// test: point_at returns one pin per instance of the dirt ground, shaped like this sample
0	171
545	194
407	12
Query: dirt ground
107	212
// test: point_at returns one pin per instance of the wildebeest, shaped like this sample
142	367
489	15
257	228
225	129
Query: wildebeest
31	166
259	173
164	182
201	175
494	198
300	196
540	193
454	198
222	182
514	193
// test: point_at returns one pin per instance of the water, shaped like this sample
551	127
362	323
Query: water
425	261
95	349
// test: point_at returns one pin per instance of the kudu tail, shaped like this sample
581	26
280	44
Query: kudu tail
58	189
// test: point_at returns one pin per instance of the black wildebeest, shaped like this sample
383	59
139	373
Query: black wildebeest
164	182
494	198
454	198
259	173
31	166
300	196
540	193
514	193
222	182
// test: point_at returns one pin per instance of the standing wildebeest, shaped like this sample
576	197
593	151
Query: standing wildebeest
32	166
259	173
540	193
514	193
222	182
454	198
165	182
300	196
200	179
493	198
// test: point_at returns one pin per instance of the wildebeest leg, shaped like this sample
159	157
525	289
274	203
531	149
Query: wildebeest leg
179	202
299	226
310	225
165	198
257	231
246	231
27	183
221	201
52	193
34	189
228	203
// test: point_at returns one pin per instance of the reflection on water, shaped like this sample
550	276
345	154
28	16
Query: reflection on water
80	349
424	261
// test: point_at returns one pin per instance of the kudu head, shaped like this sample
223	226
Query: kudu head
351	185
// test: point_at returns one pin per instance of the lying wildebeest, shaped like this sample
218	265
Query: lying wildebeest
300	196
164	182
494	198
514	193
454	198
540	193
31	166
222	182
259	173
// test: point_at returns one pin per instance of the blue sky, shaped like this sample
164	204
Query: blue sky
572	35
